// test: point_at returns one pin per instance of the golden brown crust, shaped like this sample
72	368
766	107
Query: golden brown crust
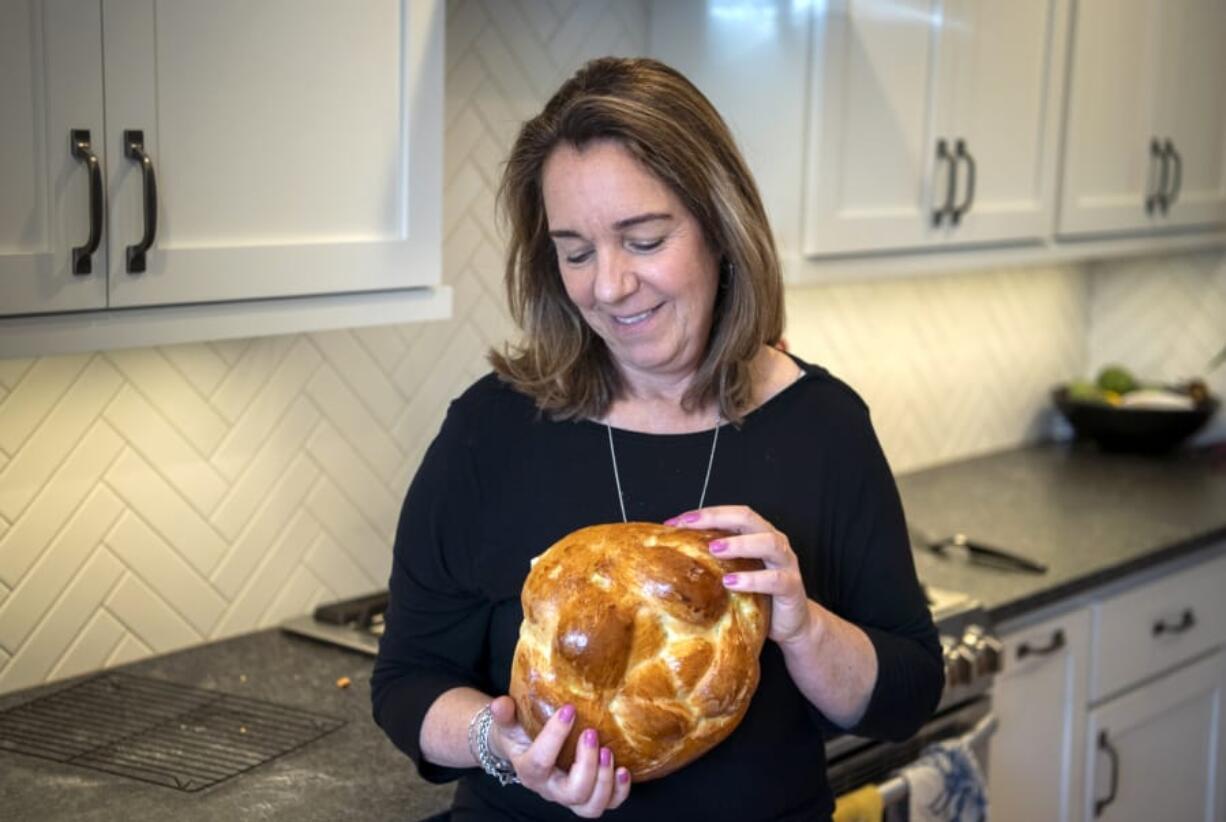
631	623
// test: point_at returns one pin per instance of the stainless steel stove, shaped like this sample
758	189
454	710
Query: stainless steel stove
973	656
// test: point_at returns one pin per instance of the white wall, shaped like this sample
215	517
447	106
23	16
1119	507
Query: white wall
155	498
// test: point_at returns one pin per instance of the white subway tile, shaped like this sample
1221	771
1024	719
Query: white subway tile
346	526
149	495
43	452
360	372
292	599
364	489
259	358
243	613
165	447
34	660
350	419
130	649
162	568
275	512
338	571
145	614
270	463
30	401
92	647
261	416
153	376
30	600
61	493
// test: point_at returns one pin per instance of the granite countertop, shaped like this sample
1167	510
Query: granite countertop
352	772
1093	517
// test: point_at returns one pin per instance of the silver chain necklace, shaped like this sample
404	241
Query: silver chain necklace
621	500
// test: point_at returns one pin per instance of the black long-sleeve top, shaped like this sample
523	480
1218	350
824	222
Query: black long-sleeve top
501	483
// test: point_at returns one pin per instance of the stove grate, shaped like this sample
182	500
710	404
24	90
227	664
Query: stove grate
154	731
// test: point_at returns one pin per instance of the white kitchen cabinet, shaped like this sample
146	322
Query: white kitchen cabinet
932	123
1141	632
290	149
50	85
1145	141
1040	700
1156	752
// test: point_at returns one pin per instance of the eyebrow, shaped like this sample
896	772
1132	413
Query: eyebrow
620	225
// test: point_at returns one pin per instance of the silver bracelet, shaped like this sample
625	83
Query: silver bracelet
479	745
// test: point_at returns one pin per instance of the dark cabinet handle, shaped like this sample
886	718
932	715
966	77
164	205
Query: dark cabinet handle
1187	620
134	149
1154	192
1057	642
1176	178
82	255
1104	744
960	153
951	184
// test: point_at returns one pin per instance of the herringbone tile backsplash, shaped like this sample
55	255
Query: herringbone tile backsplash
155	498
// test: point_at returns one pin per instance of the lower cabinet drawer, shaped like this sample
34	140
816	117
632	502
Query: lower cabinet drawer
1148	629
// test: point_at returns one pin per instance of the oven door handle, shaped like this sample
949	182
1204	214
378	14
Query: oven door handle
1104	744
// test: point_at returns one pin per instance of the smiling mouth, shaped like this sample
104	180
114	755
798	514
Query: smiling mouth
635	319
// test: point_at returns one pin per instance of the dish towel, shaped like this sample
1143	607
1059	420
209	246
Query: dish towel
861	805
946	784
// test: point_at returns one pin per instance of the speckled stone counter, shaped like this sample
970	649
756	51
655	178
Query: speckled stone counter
353	772
1093	517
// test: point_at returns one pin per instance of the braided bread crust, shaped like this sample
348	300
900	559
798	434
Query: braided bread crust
631	624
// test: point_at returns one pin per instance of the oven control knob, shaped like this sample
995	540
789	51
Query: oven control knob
989	653
959	665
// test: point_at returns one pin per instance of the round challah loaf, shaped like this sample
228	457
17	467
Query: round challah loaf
631	624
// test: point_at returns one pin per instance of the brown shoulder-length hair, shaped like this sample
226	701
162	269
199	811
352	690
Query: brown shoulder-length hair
674	131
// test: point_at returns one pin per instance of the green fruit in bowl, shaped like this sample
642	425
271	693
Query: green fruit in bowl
1084	391
1116	378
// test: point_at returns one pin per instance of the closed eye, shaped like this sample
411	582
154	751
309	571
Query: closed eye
577	259
646	245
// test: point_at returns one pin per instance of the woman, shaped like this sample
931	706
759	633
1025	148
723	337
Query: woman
649	387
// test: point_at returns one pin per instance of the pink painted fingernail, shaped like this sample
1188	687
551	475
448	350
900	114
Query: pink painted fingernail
730	580
589	737
717	546
672	520
606	757
623	775
690	517
567	714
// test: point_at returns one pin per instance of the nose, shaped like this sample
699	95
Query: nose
615	278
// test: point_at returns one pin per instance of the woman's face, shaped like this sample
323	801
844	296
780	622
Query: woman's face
633	258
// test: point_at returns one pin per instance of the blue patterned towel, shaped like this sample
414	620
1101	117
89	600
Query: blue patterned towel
946	784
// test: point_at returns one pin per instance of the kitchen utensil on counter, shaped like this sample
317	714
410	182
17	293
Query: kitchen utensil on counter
976	552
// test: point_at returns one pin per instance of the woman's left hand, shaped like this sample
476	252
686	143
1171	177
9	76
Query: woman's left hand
754	537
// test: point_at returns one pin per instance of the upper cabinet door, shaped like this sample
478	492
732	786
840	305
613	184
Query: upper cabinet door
935	123
286	147
1007	65
50	85
1192	111
1145	142
868	184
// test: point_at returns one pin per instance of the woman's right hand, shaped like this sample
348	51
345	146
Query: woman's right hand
590	788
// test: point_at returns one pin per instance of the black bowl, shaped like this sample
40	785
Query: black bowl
1138	430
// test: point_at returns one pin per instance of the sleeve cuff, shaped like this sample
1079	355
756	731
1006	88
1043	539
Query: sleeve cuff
907	689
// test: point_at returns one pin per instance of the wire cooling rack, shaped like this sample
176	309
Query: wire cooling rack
172	735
